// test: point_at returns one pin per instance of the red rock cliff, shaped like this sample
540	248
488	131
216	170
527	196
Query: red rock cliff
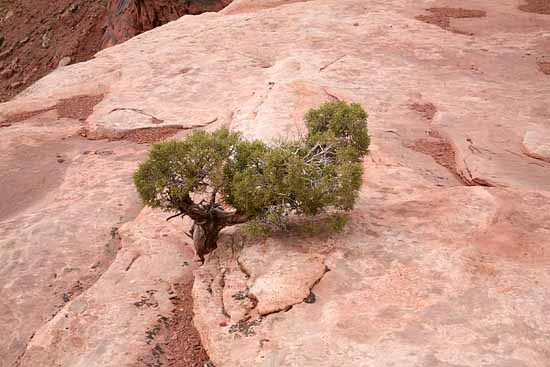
128	18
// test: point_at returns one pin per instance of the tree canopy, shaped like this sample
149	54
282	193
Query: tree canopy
219	179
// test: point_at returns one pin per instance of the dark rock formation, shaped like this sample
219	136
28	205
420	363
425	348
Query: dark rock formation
128	18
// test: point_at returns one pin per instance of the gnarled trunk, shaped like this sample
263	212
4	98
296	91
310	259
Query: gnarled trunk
206	228
205	238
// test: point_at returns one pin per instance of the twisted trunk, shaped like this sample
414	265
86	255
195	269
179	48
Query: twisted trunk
205	238
208	223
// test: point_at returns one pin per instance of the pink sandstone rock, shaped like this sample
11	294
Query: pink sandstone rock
280	277
436	268
536	144
63	200
114	321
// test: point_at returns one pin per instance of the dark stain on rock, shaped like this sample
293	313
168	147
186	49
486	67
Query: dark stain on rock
311	298
245	327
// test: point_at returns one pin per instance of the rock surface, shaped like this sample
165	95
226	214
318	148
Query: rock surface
62	202
128	18
280	277
445	262
537	144
36	37
117	319
39	34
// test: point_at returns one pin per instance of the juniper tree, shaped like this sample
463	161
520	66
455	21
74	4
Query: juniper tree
219	179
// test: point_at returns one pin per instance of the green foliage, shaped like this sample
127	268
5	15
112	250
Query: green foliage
340	124
264	183
338	223
305	177
256	229
175	169
311	226
330	224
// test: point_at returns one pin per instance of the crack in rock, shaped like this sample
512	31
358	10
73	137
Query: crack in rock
155	120
260	284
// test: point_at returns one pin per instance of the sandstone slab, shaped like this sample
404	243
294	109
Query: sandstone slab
63	200
115	322
280	277
451	277
440	265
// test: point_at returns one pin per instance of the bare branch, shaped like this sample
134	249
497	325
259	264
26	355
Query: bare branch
176	215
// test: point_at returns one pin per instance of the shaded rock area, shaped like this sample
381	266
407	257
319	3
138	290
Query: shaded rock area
439	149
128	18
444	262
536	6
37	37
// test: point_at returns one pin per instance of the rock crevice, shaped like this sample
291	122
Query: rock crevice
247	287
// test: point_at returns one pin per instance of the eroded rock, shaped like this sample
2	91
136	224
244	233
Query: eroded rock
58	222
438	269
536	144
128	18
280	275
428	271
64	61
152	257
